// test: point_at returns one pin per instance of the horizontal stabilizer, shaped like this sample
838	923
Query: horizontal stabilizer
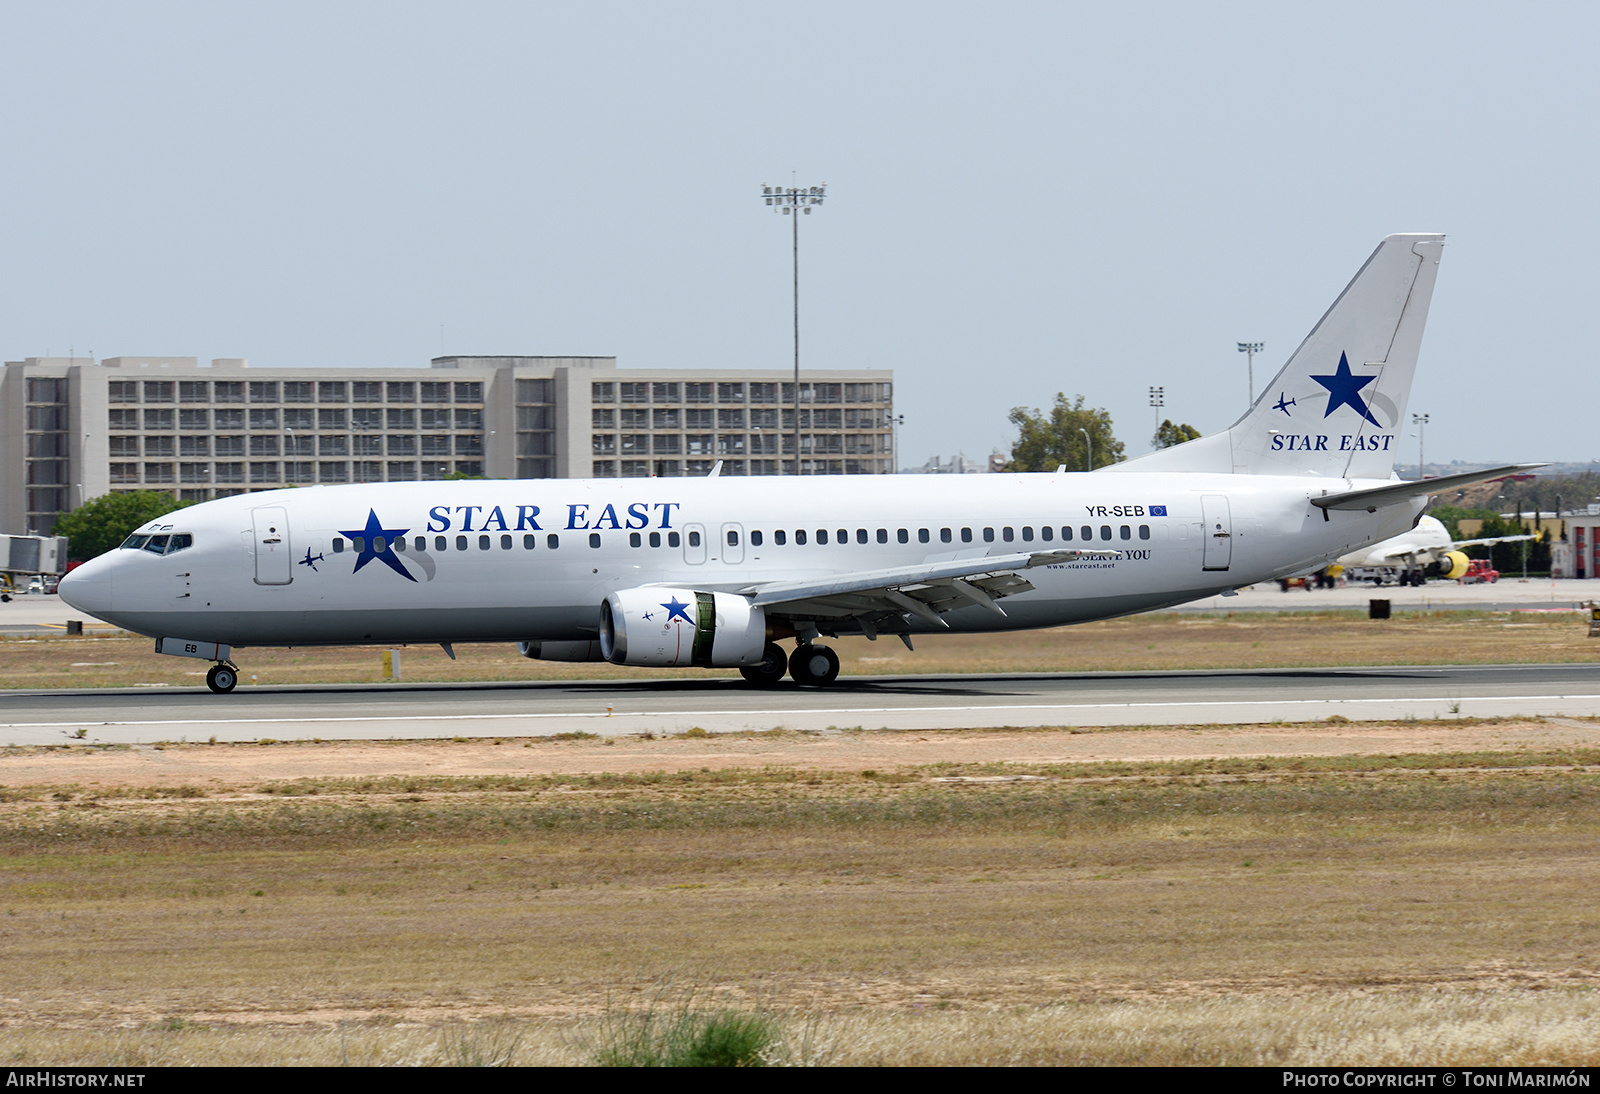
1379	497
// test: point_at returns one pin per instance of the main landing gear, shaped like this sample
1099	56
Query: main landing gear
222	678
813	666
769	670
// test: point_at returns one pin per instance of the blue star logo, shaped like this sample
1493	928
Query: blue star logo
1344	389
676	611
369	537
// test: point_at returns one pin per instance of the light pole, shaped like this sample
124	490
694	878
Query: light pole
895	422
1088	450
1421	422
791	203
1158	399
1250	349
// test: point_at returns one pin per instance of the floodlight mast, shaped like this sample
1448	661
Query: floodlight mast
1250	349
791	202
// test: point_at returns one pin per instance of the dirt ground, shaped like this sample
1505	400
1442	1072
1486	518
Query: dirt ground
235	765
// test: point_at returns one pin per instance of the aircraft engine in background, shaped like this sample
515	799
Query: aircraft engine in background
672	627
536	650
1451	565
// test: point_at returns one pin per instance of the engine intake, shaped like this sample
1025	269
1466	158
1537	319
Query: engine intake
671	627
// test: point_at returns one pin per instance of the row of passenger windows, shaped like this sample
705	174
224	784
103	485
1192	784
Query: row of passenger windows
780	538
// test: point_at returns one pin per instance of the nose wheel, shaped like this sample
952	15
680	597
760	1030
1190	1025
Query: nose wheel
814	666
222	678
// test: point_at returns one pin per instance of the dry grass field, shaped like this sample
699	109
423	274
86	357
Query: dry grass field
1168	640
1345	894
1405	908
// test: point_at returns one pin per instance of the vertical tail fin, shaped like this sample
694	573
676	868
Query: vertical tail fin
1336	408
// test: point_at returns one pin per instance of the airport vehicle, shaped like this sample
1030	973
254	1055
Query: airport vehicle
1414	554
715	572
1480	571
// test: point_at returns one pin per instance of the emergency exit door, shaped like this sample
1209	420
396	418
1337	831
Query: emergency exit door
1217	533
274	560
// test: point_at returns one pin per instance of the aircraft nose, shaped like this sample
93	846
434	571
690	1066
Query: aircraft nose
88	588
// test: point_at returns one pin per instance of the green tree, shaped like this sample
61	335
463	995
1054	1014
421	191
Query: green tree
98	525
1168	434
1045	443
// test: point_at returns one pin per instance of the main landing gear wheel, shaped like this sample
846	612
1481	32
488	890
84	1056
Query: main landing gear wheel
814	666
222	678
769	670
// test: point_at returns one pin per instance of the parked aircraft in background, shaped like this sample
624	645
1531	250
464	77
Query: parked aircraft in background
716	572
1425	549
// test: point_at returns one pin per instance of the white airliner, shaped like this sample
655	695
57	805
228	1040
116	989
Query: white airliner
715	572
1414	553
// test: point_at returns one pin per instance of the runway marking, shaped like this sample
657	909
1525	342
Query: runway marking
793	713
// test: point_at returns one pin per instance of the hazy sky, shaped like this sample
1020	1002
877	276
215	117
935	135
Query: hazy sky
1022	198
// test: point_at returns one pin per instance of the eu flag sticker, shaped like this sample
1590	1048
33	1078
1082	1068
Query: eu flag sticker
1158	510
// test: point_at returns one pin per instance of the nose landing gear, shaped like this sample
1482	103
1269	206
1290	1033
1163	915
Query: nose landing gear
222	678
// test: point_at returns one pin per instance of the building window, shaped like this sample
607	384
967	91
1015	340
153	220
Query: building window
297	391
332	391
263	391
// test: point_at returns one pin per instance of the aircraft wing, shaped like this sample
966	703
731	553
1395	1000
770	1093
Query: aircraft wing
927	590
1377	497
1488	542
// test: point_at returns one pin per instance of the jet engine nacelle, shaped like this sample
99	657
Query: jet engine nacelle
672	627
1452	565
538	650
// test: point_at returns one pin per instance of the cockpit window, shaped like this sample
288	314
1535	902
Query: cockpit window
159	545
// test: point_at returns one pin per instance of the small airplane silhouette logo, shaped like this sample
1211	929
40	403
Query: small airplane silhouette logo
1283	404
311	560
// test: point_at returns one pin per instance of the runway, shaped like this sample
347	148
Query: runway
721	705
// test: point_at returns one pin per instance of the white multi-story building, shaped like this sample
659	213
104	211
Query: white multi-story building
74	428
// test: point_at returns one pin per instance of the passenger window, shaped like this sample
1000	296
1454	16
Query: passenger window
505	543
844	535
922	535
694	539
902	536
822	535
672	539
966	535
1105	532
1086	532
1066	533
755	538
944	535
420	543
1144	531
779	537
338	546
861	535
359	543
883	535
594	539
1046	533
733	538
400	544
1126	532
483	543
529	541
552	541
1027	534
988	535
461	543
800	536
635	540
1007	534
655	539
